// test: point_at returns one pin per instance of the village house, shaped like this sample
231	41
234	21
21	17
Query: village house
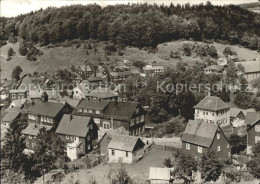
86	70
43	112
80	91
18	94
119	77
253	130
110	115
108	136
200	137
11	116
125	149
102	93
31	132
159	175
80	133
222	61
251	69
212	109
232	58
153	70
214	69
237	116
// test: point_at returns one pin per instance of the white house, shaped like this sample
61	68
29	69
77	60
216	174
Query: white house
159	175
212	109
125	149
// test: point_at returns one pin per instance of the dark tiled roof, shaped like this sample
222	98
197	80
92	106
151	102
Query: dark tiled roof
93	104
120	109
123	142
102	93
199	133
74	125
251	118
34	129
50	109
94	79
11	115
211	103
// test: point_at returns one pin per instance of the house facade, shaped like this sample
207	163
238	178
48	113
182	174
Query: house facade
214	69
251	69
47	113
153	70
200	137
159	175
31	132
125	149
253	130
109	115
79	133
119	77
18	94
212	109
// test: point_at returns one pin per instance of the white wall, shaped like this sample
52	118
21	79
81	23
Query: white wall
120	156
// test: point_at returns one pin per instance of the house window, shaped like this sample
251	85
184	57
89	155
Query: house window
203	112
218	135
257	128
142	118
257	139
126	153
106	125
218	148
67	136
72	138
97	112
90	111
89	147
206	112
187	146
88	137
30	137
213	113
113	152
198	111
199	149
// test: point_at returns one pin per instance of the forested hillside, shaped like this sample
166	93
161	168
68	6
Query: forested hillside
139	25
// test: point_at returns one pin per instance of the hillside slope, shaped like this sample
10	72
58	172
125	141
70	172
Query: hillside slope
62	57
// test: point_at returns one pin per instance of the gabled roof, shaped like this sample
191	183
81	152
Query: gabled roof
102	93
124	142
74	125
120	109
34	129
93	104
217	68
18	102
212	103
157	173
234	112
50	109
199	133
72	102
250	66
251	118
10	116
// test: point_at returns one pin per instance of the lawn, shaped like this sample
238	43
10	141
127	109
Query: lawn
139	171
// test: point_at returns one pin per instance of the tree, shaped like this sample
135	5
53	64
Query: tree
186	102
212	51
23	49
10	52
121	177
210	166
49	153
227	51
253	165
184	165
243	100
167	163
12	152
16	73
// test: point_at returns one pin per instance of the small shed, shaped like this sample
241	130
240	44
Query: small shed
159	175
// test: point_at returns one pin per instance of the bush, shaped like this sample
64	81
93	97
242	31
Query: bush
23	49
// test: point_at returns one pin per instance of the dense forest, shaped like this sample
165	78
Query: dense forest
139	25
